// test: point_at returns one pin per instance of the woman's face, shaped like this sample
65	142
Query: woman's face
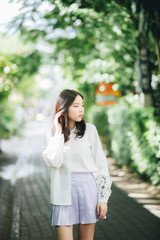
76	110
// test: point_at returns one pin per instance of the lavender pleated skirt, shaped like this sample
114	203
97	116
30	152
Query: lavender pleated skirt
84	199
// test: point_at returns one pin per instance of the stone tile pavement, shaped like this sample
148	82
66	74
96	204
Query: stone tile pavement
24	201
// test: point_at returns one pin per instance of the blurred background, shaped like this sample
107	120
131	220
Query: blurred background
107	50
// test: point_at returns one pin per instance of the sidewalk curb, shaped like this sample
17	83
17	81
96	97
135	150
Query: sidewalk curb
15	226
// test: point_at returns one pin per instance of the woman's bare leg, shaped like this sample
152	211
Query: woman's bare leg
64	232
86	231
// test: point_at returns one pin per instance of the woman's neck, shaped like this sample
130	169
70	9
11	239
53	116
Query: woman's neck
71	125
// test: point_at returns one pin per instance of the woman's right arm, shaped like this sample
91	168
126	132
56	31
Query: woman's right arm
53	152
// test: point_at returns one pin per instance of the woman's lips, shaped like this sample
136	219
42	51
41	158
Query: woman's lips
80	116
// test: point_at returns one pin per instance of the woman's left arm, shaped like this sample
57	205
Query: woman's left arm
103	179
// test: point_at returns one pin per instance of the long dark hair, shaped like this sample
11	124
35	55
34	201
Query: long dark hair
64	101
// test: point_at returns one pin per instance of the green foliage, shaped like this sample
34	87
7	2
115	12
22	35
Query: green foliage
98	115
132	129
17	85
118	119
14	69
10	124
94	41
7	76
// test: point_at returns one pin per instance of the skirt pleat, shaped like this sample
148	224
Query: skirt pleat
84	199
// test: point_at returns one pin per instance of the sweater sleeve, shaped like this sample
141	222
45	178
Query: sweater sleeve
103	178
53	151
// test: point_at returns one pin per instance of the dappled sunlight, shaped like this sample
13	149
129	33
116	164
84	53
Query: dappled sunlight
143	192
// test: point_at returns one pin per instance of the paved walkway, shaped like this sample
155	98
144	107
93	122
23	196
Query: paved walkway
25	203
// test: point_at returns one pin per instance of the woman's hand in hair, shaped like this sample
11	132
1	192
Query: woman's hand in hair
57	126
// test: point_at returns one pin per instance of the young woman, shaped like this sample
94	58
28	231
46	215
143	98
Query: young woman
80	181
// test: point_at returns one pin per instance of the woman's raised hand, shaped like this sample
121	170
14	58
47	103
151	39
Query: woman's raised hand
57	125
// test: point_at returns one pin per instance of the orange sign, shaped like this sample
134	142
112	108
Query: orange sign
105	95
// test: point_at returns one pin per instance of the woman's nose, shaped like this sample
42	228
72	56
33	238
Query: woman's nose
81	110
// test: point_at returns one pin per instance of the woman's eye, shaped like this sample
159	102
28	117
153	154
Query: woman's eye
77	106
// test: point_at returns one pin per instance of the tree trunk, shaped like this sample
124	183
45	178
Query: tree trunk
157	53
143	62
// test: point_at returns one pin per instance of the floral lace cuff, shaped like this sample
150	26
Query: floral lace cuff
104	188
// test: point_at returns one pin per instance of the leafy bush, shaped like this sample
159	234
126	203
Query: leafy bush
119	130
135	137
99	117
10	124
